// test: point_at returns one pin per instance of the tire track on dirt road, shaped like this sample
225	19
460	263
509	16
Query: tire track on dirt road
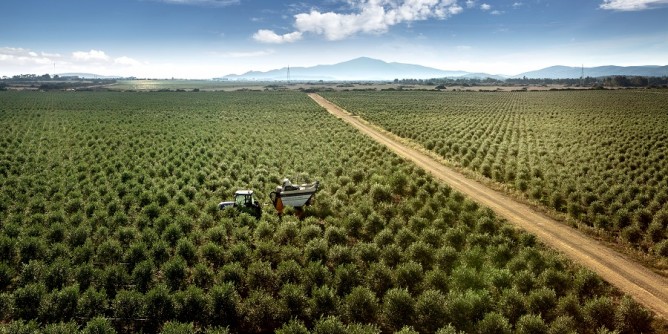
645	286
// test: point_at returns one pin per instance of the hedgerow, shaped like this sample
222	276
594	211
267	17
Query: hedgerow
110	224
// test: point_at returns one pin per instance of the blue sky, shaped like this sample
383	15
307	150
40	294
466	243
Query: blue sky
211	38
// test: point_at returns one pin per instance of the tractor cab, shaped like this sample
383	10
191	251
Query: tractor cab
244	202
244	198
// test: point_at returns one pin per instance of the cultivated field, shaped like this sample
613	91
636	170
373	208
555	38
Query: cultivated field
110	223
600	157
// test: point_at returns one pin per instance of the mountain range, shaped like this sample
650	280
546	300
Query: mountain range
564	72
365	68
362	68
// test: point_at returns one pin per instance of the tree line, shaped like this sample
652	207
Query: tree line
611	81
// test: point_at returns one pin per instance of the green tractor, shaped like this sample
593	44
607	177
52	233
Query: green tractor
244	202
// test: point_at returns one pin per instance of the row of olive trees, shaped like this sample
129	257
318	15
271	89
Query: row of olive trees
115	217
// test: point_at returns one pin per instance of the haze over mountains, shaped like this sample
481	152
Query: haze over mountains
365	68
362	68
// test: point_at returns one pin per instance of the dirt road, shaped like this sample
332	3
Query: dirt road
642	284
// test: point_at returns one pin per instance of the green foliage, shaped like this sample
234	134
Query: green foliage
261	312
324	301
98	325
512	305
293	302
122	223
20	327
61	328
465	308
361	305
493	323
293	327
193	305
564	147
630	317
60	305
142	275
542	301
431	311
159	304
92	303
225	306
531	324
175	271
599	312
27	300
172	327
128	304
398	309
329	325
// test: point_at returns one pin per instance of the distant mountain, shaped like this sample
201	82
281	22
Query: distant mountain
565	72
365	68
483	76
88	76
357	69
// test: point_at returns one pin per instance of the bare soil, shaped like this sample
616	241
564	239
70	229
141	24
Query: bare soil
645	286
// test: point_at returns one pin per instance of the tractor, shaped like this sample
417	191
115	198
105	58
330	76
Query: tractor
244	202
296	196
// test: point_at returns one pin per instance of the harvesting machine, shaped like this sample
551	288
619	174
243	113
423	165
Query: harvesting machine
296	196
287	194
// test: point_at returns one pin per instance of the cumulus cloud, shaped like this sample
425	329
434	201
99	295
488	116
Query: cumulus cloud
367	16
92	55
20	56
268	36
19	60
470	3
101	58
485	6
632	5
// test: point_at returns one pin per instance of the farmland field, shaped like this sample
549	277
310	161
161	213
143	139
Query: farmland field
109	223
601	157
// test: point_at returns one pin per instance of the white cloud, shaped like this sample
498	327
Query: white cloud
632	5
46	54
127	61
485	6
23	57
368	16
517	4
15	61
92	55
268	36
470	3
101	58
496	12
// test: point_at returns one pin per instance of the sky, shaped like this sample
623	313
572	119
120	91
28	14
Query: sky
202	39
